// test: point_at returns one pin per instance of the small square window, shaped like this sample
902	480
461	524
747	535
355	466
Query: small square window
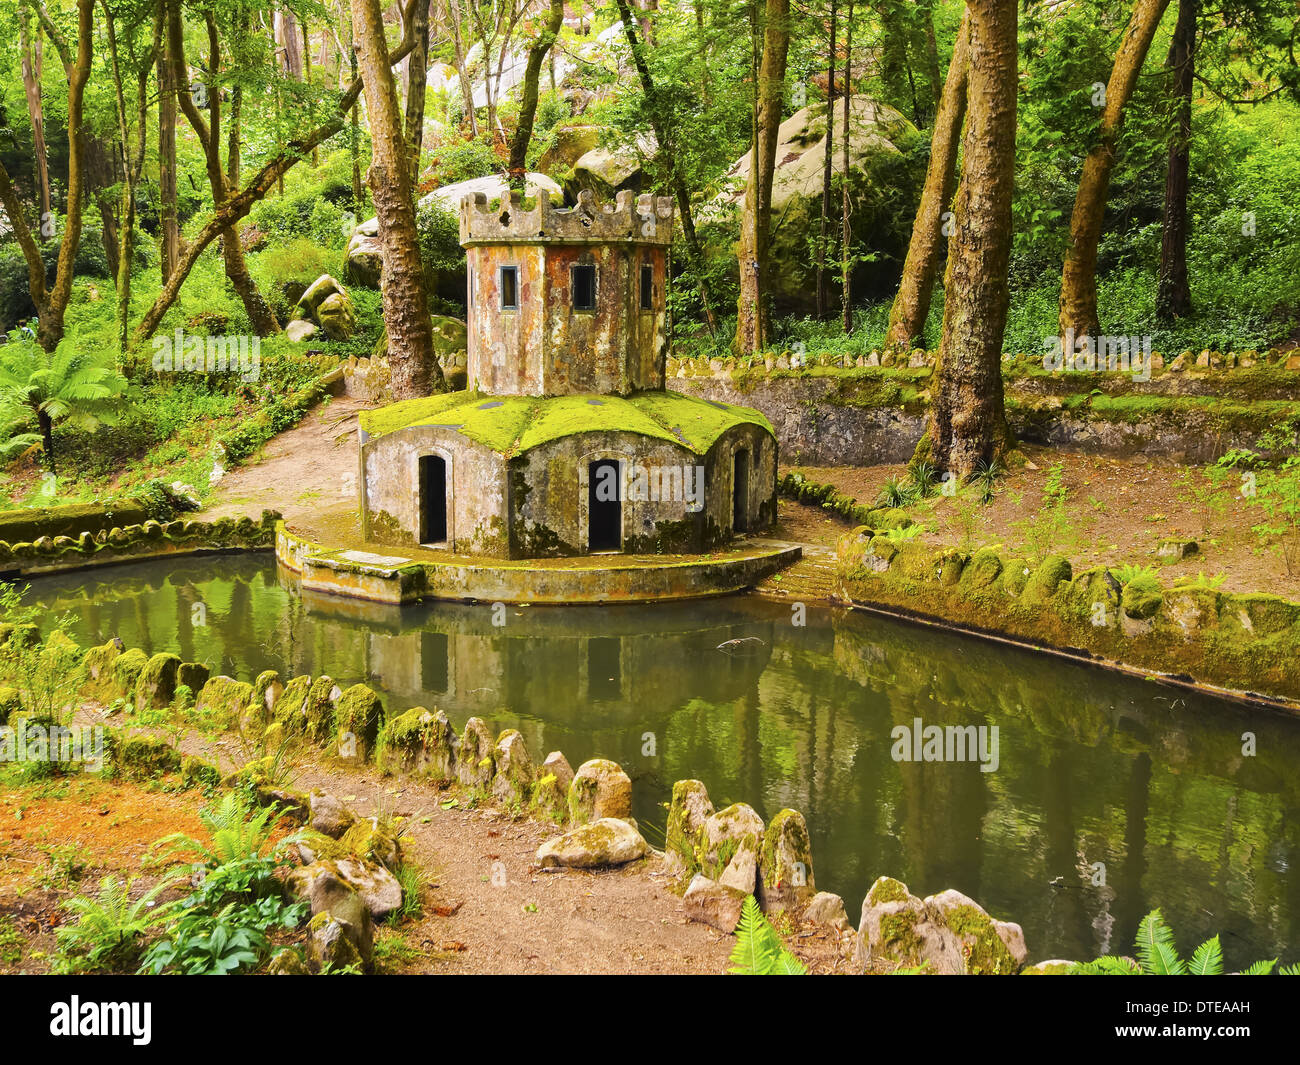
584	287
647	287
509	288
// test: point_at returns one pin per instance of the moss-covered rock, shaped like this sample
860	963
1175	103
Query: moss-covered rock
474	756
600	789
723	834
1042	585
146	756
689	809
193	675
156	685
1142	599
267	689
357	717
318	710
127	668
289	709
100	681
513	780
223	700
10	703
196	773
785	872
608	841
372	843
418	742
550	799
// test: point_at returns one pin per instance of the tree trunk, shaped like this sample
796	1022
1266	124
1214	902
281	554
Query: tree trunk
967	417
170	247
528	101
894	71
286	36
47	439
417	72
354	146
755	226
659	123
828	167
846	227
928	244
466	87
1173	296
1078	311
412	366
30	45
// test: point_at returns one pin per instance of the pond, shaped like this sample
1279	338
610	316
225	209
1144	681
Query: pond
1110	795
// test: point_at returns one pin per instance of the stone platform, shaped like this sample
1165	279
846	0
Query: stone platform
384	574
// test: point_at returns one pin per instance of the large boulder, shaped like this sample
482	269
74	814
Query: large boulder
607	171
570	141
714	904
327	303
419	742
947	934
690	808
514	768
363	261
785	864
156	685
609	841
732	829
887	160
600	789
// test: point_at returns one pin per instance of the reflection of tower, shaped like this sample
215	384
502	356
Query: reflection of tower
602	679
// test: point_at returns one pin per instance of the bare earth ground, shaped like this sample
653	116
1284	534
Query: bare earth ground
626	920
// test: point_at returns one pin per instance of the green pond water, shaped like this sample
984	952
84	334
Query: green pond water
1149	781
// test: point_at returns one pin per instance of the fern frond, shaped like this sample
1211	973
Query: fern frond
1207	959
1260	968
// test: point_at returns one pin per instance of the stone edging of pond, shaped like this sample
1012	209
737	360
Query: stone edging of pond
136	543
1242	645
718	857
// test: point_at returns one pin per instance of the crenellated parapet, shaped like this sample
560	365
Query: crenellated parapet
630	219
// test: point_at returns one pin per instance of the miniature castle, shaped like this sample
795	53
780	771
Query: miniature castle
565	441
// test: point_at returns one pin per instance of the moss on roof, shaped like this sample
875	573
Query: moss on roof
515	424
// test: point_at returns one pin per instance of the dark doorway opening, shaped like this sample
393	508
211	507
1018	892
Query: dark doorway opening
605	667
435	662
740	493
433	499
604	506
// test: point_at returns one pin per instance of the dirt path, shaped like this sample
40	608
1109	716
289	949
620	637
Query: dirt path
300	472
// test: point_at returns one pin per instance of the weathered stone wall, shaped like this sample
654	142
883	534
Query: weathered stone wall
476	488
505	346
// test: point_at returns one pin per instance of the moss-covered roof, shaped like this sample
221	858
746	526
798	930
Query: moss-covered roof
515	424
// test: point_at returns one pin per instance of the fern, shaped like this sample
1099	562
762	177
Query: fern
108	931
1159	957
759	950
1260	968
1207	959
1156	949
235	832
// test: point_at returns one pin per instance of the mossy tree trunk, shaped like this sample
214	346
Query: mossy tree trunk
168	218
1078	305
412	365
756	221
928	244
417	71
967	417
828	167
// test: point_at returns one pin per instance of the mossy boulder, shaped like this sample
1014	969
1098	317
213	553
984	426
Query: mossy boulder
98	663
127	668
982	571
945	934
337	945
318	710
371	842
357	717
1015	576
193	675
785	872
513	780
328	815
196	773
600	789
156	685
550	798
474	755
290	709
223	699
418	742
714	904
143	757
689	809
267	689
1142	599
723	834
1045	580
608	841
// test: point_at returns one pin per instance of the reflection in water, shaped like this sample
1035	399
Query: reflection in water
1112	795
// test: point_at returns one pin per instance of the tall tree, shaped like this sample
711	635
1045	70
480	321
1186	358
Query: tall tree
413	368
1173	295
846	217
168	216
537	52
29	43
208	132
417	73
52	302
756	220
967	417
1078	310
828	167
928	244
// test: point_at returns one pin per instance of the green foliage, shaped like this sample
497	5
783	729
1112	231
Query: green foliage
237	832
1157	955
107	933
1050	527
759	950
1278	495
460	161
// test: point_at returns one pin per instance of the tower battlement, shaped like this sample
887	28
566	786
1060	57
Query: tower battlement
630	219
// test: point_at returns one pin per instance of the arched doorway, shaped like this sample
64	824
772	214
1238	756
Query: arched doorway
740	492
605	505
433	499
